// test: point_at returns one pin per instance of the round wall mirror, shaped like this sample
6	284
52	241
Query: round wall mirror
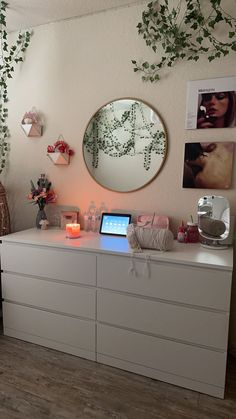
124	145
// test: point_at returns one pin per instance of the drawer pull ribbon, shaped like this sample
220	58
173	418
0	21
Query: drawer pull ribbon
132	270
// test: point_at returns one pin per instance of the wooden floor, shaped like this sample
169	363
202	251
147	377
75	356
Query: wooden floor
39	383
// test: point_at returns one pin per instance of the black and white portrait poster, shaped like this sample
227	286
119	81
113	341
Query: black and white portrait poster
211	103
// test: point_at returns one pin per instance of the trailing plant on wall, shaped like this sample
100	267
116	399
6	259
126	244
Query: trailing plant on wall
9	57
125	134
184	32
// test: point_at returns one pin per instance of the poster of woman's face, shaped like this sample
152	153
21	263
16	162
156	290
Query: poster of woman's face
208	165
211	103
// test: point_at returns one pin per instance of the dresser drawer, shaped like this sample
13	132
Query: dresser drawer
53	328
55	263
175	282
65	298
168	320
187	361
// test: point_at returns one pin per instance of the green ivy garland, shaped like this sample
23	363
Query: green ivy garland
101	135
184	32
9	56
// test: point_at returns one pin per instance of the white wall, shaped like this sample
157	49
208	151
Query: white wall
71	69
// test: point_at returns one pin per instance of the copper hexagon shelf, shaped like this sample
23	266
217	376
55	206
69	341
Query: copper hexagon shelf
59	158
32	130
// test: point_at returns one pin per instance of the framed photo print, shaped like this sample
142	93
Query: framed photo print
208	165
211	103
69	217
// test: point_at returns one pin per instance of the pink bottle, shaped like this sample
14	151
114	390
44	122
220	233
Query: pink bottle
181	234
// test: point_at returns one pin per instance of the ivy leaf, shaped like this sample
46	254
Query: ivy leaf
219	17
211	23
145	64
194	26
211	58
199	39
8	61
163	27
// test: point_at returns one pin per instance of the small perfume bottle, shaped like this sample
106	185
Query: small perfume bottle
181	233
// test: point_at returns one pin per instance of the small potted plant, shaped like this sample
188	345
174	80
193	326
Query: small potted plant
31	124
60	152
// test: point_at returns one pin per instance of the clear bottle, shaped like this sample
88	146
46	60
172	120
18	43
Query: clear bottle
98	221
94	222
91	216
103	208
86	222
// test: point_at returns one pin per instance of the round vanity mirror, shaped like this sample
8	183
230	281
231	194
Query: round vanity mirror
213	220
124	145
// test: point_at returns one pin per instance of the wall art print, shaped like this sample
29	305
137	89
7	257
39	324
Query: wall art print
211	103
208	165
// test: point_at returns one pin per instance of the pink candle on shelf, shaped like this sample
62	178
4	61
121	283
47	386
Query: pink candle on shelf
72	230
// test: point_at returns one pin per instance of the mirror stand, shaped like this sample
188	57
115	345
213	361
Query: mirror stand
213	221
215	245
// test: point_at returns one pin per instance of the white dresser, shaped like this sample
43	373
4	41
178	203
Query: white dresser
163	315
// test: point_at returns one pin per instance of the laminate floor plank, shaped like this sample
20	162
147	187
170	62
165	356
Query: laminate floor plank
40	383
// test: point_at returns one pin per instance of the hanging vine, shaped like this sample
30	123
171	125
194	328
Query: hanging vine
184	32
9	57
108	128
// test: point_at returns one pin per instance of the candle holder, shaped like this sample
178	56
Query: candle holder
72	231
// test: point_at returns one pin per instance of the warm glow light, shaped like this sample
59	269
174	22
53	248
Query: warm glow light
72	230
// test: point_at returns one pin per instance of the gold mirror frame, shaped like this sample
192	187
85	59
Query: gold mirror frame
113	138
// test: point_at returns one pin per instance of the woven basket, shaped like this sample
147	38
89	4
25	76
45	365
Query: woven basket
4	213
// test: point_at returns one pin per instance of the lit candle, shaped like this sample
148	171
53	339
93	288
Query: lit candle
72	230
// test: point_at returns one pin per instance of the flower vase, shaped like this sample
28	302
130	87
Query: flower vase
41	215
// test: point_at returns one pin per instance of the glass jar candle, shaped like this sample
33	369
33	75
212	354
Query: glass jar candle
72	231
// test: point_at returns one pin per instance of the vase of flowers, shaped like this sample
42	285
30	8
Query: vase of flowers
41	215
41	196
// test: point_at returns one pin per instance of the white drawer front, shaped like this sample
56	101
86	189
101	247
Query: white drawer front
55	327
65	298
172	321
175	358
174	282
55	263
